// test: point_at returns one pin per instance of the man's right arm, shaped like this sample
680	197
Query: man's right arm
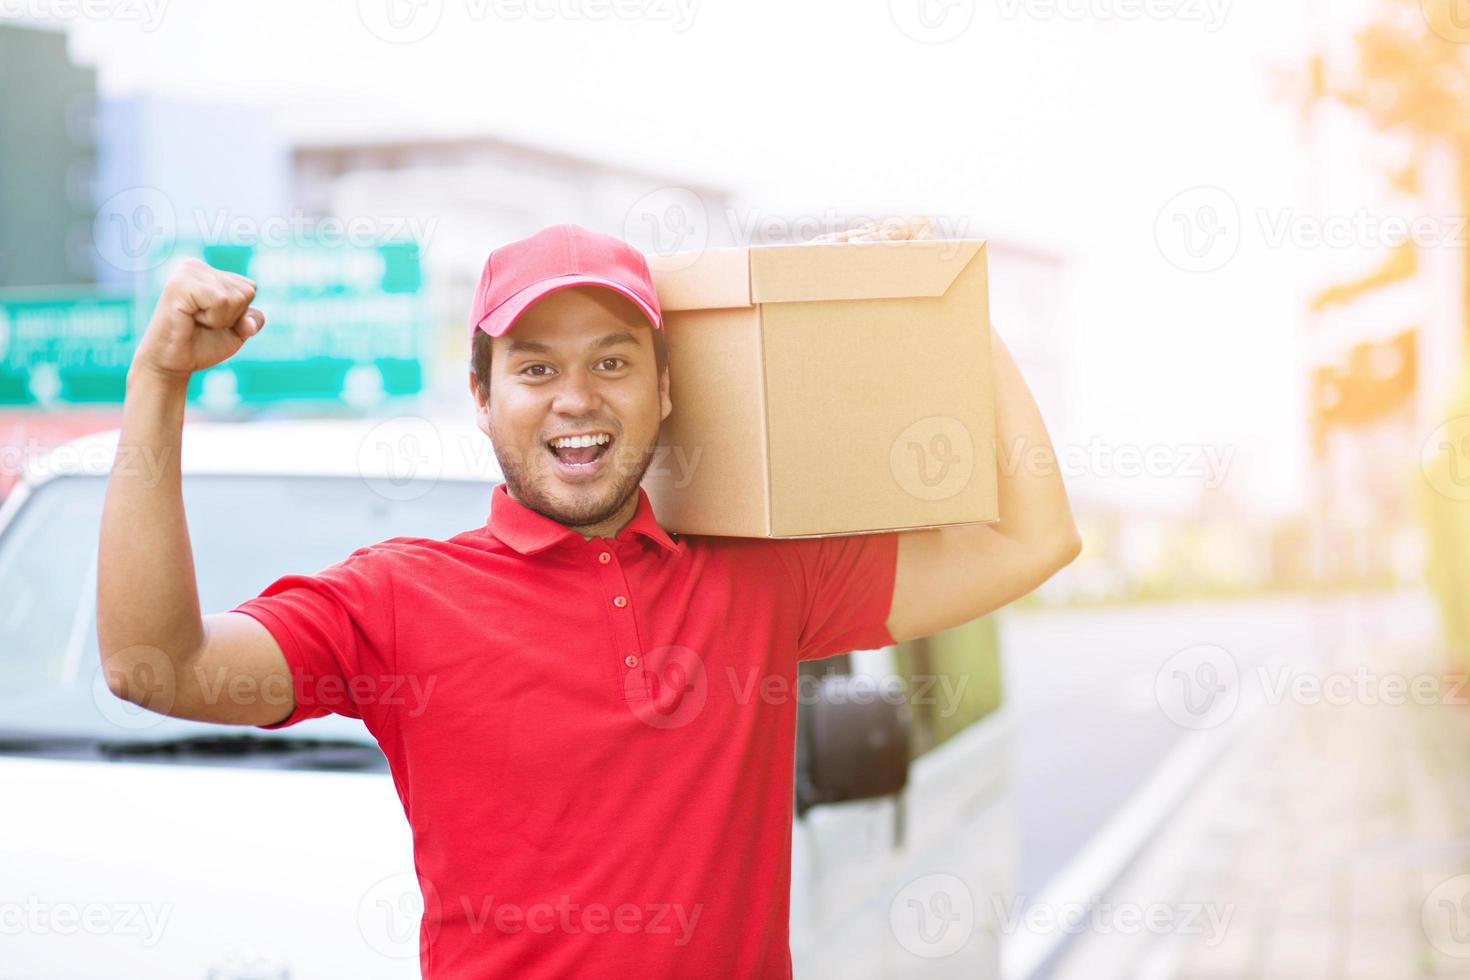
157	650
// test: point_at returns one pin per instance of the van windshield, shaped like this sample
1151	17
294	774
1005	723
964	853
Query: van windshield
246	532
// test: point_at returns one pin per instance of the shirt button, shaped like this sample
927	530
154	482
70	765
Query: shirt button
620	601
630	660
604	557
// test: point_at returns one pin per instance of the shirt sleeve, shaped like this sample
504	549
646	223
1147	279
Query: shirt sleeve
844	585
336	630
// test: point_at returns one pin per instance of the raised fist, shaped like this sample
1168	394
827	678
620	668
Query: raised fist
203	317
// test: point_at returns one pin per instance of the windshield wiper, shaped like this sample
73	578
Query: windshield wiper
310	753
314	753
242	744
16	742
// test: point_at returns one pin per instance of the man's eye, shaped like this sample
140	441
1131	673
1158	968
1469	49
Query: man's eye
616	362
536	370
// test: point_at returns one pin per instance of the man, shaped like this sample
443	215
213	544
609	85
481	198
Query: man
600	781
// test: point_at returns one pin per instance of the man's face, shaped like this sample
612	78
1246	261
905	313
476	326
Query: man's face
578	362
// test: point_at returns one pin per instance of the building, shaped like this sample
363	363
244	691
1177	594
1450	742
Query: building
461	197
1383	334
47	149
171	171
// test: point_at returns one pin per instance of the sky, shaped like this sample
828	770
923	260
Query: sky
1079	126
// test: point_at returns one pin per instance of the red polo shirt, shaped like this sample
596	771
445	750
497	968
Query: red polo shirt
593	741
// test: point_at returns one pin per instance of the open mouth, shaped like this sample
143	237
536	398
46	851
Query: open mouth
582	452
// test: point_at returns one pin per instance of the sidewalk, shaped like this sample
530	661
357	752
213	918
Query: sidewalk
1327	844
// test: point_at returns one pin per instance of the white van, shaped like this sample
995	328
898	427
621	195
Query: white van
113	818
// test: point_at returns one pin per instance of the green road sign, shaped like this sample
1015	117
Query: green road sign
343	323
71	346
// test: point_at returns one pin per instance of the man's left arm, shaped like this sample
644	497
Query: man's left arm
948	576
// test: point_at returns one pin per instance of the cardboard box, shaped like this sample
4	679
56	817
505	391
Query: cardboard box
826	389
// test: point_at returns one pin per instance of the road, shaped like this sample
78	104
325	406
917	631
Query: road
1088	728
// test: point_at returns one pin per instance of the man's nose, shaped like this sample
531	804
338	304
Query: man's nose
577	394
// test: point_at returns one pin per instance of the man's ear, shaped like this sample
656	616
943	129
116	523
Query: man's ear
666	405
482	405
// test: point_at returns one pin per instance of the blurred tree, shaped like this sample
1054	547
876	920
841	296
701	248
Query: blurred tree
1413	77
1444	513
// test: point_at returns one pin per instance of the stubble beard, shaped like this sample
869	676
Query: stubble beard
592	505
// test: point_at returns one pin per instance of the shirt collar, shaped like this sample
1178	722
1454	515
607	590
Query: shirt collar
529	532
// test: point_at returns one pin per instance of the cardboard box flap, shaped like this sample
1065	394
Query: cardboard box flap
719	278
857	270
712	279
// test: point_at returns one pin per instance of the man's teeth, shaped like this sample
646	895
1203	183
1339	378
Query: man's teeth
577	442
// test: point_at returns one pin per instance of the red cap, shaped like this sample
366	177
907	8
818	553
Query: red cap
559	257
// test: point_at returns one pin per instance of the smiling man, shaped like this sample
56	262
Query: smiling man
573	398
600	783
